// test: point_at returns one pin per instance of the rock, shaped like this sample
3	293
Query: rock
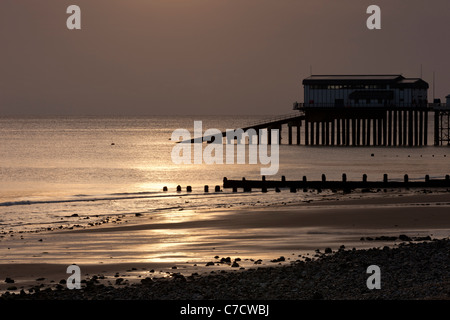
280	259
403	237
210	264
179	277
9	280
147	281
12	288
235	265
317	296
328	250
225	260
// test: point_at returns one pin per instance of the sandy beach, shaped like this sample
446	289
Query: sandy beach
183	243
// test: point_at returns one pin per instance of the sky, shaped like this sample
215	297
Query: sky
207	57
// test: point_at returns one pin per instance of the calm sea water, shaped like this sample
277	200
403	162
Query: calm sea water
52	168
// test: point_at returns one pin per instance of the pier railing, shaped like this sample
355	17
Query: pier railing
288	116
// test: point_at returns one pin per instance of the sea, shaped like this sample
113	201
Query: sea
53	169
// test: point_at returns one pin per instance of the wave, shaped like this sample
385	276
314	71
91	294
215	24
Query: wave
125	196
119	196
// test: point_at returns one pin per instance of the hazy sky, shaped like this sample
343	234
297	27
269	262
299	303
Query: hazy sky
144	57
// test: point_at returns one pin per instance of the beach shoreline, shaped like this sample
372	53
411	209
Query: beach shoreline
353	223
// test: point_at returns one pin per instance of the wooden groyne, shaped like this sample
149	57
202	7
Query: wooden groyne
343	184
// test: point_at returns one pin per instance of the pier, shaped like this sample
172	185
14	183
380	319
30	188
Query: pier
362	110
353	126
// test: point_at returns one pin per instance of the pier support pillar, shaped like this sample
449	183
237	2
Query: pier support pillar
405	124
416	127
400	128
425	129
347	133
306	132
420	128
380	132
389	138
410	128
298	132
338	132
317	133
332	131
394	133
436	128
290	133
354	132
323	133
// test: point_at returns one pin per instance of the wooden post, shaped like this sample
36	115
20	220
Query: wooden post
425	129
327	133
368	132
312	133
400	131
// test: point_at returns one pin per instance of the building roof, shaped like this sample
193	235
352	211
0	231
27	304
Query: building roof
392	79
355	77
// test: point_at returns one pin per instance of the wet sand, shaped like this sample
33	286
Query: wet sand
149	246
